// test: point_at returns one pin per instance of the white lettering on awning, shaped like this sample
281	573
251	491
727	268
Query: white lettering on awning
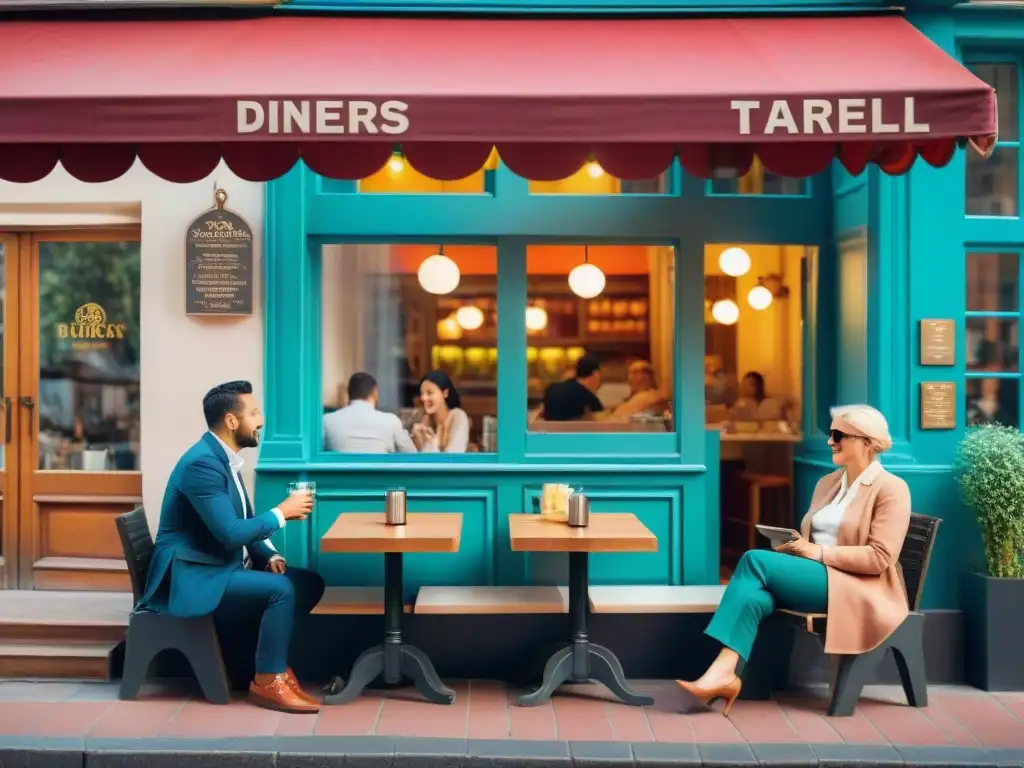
806	117
330	117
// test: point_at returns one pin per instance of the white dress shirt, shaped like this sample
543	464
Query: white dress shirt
360	428
236	463
825	523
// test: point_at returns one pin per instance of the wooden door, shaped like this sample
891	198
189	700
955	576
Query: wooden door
74	452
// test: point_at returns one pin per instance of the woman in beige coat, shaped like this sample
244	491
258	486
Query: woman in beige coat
845	562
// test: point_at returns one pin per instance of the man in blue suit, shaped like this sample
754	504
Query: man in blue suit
213	555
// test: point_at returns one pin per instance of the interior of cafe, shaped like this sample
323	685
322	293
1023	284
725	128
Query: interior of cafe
401	310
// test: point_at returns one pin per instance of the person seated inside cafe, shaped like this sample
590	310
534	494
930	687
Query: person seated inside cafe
445	425
360	428
754	403
645	399
844	562
575	399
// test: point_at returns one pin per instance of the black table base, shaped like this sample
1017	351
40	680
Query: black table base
393	660
582	661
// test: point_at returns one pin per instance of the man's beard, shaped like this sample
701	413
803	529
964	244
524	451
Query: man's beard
247	439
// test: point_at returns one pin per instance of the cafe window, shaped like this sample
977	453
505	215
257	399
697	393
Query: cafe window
992	333
600	325
993	185
412	328
753	376
592	179
88	294
398	176
758	181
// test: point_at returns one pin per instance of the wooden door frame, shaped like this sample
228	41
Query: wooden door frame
14	245
37	486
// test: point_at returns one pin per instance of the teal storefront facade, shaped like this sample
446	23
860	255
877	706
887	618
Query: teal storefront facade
891	251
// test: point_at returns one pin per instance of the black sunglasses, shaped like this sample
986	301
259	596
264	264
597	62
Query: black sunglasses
838	436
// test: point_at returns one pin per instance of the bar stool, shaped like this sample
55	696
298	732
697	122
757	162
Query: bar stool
759	483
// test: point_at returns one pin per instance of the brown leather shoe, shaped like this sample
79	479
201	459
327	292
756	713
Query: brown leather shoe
297	687
279	695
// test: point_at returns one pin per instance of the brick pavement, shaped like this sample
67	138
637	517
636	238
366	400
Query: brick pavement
957	717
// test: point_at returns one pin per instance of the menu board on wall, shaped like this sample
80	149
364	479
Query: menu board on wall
938	405
938	342
218	263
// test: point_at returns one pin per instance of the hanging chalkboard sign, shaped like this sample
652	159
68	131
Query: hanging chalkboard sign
218	263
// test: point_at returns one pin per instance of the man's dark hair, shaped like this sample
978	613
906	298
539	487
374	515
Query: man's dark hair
360	386
587	365
222	400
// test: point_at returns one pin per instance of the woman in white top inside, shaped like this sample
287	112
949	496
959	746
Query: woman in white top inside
845	562
445	426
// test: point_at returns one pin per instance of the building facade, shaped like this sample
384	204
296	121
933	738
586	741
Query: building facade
848	267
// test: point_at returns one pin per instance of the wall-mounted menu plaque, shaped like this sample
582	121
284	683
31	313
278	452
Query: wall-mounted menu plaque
218	263
938	405
938	342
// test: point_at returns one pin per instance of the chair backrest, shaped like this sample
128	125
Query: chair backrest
915	555
137	543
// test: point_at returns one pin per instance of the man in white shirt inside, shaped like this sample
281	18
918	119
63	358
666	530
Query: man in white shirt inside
360	428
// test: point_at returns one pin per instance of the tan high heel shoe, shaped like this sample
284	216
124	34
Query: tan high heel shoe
706	696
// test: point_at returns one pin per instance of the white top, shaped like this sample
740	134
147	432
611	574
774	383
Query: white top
236	463
360	428
458	435
825	523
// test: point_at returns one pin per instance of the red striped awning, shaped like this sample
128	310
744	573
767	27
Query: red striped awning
550	94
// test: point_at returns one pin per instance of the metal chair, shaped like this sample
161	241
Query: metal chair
906	642
150	633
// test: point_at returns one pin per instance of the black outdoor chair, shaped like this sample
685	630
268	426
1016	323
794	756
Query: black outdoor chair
855	671
150	633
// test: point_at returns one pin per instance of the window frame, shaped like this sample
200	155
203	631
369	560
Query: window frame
971	59
1018	315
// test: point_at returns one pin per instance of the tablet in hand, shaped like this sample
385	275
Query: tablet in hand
778	535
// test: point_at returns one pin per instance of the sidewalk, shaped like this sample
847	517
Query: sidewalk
582	726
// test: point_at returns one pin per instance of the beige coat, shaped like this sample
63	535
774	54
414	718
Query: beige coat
867	598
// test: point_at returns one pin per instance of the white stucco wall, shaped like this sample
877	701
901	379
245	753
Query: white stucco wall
181	356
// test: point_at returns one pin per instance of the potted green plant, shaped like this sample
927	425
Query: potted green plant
989	468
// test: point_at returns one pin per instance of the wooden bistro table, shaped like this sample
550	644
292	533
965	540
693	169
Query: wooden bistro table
392	660
581	660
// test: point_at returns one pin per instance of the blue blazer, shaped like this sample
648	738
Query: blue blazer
203	527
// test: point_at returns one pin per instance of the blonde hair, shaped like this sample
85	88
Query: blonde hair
864	421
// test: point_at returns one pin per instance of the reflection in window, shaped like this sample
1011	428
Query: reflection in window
758	181
600	324
993	344
992	184
592	179
419	323
993	401
89	355
993	282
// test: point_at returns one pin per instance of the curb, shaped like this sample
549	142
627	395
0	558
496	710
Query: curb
400	752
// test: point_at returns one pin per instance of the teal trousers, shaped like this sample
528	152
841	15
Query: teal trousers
763	581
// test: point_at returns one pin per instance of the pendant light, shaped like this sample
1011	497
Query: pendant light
734	262
586	280
438	274
725	312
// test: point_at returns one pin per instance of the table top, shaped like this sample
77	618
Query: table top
607	532
367	532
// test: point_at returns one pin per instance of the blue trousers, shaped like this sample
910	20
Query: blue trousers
763	581
271	602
